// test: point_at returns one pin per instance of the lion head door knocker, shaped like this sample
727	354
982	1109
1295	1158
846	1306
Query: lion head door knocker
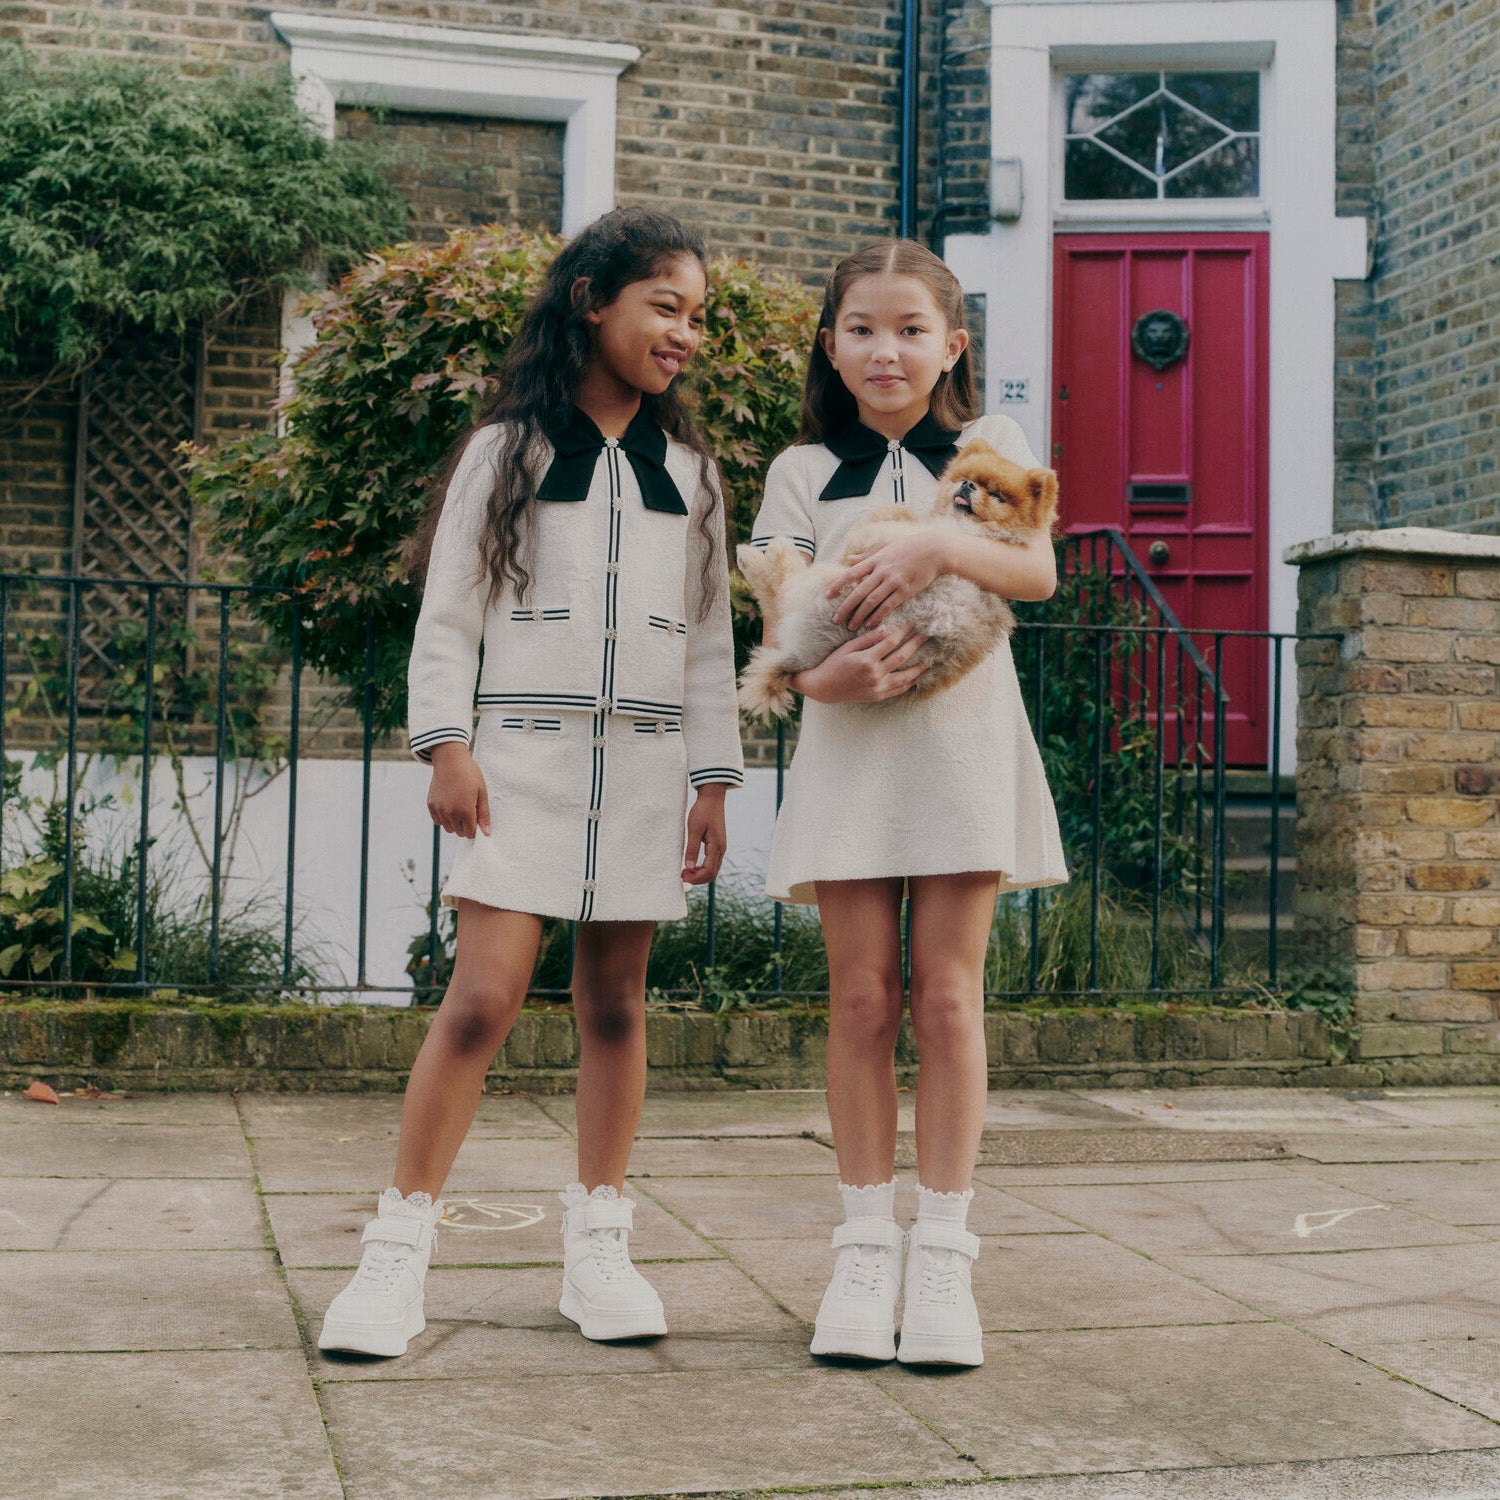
1160	338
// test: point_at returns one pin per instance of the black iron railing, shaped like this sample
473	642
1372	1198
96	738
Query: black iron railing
1127	705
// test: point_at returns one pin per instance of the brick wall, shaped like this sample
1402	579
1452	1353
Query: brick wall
459	171
1419	110
1398	823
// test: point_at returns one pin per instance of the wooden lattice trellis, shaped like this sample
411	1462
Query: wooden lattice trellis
131	511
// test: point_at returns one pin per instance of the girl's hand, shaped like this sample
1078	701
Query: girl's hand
457	799
868	669
887	577
706	839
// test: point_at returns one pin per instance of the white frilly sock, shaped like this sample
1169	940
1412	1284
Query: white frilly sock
953	1208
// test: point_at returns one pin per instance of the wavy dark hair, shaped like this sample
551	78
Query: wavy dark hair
826	401
540	374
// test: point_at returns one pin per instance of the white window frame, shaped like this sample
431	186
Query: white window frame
354	60
1031	42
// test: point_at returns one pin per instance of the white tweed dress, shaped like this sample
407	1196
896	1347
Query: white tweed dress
604	696
937	786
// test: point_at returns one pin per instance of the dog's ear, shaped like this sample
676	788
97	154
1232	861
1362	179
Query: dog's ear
1041	484
975	448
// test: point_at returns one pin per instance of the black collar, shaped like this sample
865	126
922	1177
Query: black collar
863	450
578	442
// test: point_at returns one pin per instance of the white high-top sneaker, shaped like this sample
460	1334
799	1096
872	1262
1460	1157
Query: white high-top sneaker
857	1316
939	1322
603	1293
381	1308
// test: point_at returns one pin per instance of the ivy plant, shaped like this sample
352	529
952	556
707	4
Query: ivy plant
134	196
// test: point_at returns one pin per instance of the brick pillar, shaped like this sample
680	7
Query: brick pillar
1398	786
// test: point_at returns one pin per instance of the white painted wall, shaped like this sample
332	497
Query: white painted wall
327	866
1293	41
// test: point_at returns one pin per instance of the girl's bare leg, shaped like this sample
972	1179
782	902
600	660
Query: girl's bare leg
950	932
609	1001
491	972
862	932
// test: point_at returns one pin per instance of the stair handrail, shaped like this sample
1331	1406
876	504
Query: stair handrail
1116	538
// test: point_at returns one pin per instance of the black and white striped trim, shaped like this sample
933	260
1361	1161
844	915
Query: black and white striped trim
657	726
801	543
527	726
898	474
537	700
647	708
421	744
706	775
538	616
661	622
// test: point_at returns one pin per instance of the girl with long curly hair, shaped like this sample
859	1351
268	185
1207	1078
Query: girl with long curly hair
574	564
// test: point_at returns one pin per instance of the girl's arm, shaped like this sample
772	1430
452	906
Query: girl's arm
444	663
710	710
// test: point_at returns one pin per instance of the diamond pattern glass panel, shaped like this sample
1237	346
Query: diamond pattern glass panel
1162	135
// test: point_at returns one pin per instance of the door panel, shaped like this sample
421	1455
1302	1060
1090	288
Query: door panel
1177	455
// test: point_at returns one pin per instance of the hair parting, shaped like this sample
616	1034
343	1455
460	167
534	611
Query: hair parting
826	401
539	376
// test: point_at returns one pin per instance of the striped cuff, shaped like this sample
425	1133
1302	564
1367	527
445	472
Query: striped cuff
708	775
421	744
801	543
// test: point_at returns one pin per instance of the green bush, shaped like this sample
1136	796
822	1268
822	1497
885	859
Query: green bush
405	347
133	196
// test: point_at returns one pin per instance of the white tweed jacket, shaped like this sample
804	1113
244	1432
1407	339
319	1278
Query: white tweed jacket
610	624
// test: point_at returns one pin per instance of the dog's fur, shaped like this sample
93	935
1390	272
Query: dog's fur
980	491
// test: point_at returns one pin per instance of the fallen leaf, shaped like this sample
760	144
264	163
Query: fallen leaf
93	1091
36	1089
1166	1106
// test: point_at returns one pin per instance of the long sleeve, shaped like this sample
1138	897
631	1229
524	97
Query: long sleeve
710	708
783	507
444	662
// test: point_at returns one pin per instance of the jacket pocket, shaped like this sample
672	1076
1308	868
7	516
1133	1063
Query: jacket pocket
539	616
530	724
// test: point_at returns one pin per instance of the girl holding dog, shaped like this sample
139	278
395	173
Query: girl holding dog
943	798
577	536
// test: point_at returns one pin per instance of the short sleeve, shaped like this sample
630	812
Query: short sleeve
783	507
1004	434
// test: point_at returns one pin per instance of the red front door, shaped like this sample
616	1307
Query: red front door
1173	456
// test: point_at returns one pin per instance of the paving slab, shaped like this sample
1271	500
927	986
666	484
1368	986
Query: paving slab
731	1156
482	1321
1166	1398
1464	1369
323	1229
240	1426
90	1213
1215	1108
1020	1282
585	1435
135	1109
1064	1174
295	1164
1455	1192
365	1116
1400	1143
1459	1475
808	1207
1439	1106
752	1112
1115	1144
1258	1216
1365	1297
47	1148
62	1300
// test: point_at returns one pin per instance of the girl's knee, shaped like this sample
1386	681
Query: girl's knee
869	1010
945	1012
611	1018
475	1020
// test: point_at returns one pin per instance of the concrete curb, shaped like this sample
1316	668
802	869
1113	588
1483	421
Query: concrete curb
145	1045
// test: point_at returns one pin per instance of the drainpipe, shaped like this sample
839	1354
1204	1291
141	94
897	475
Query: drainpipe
910	81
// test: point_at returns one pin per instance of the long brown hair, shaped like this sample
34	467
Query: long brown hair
542	371
826	401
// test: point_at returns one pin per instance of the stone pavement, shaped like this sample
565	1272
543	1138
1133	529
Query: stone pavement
1199	1294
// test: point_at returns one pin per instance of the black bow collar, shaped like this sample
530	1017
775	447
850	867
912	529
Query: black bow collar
578	442
863	450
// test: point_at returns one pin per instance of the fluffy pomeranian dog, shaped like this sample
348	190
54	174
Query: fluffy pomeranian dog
980	491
